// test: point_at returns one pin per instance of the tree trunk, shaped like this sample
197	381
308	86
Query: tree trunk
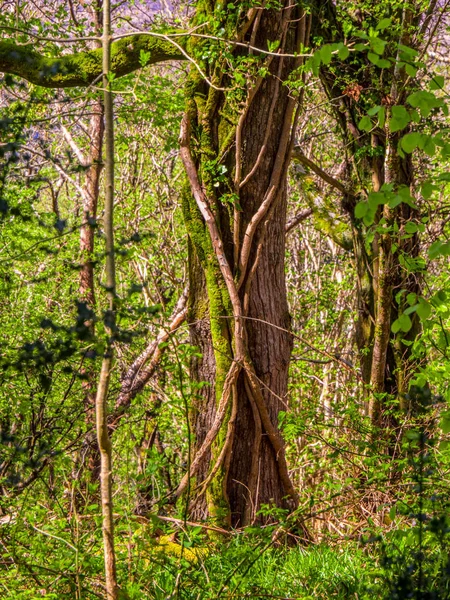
244	466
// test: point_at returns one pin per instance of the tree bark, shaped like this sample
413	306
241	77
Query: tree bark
244	466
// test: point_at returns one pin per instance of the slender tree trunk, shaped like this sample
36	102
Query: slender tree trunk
386	363
104	443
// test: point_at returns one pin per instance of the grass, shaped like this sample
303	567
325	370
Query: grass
242	571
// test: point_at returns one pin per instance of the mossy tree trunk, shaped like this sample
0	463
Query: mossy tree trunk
236	148
386	363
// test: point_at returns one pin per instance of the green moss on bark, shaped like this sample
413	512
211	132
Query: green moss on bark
83	68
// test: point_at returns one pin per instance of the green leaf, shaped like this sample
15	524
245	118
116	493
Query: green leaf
374	58
410	141
407	53
411	299
376	198
411	227
439	298
429	147
411	70
445	422
365	124
392	512
437	83
369	217
405	323
373	111
411	309
405	193
316	60
361	209
325	54
424	309
395	201
377	45
427	190
384	24
424	101
384	63
435	249
395	327
400	118
273	46
343	52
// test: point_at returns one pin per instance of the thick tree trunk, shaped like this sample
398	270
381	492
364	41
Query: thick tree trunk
244	467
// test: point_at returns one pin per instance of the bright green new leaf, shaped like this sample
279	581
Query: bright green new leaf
410	141
343	52
384	24
423	309
325	54
405	323
361	209
437	83
411	227
445	422
365	124
377	45
427	190
411	70
400	118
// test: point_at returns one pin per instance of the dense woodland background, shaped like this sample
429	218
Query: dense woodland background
258	335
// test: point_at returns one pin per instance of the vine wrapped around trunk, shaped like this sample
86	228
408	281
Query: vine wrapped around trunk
236	226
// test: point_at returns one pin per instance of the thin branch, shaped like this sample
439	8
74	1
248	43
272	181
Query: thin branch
297	219
138	374
297	154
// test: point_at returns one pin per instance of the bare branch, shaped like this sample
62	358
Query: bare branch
297	154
